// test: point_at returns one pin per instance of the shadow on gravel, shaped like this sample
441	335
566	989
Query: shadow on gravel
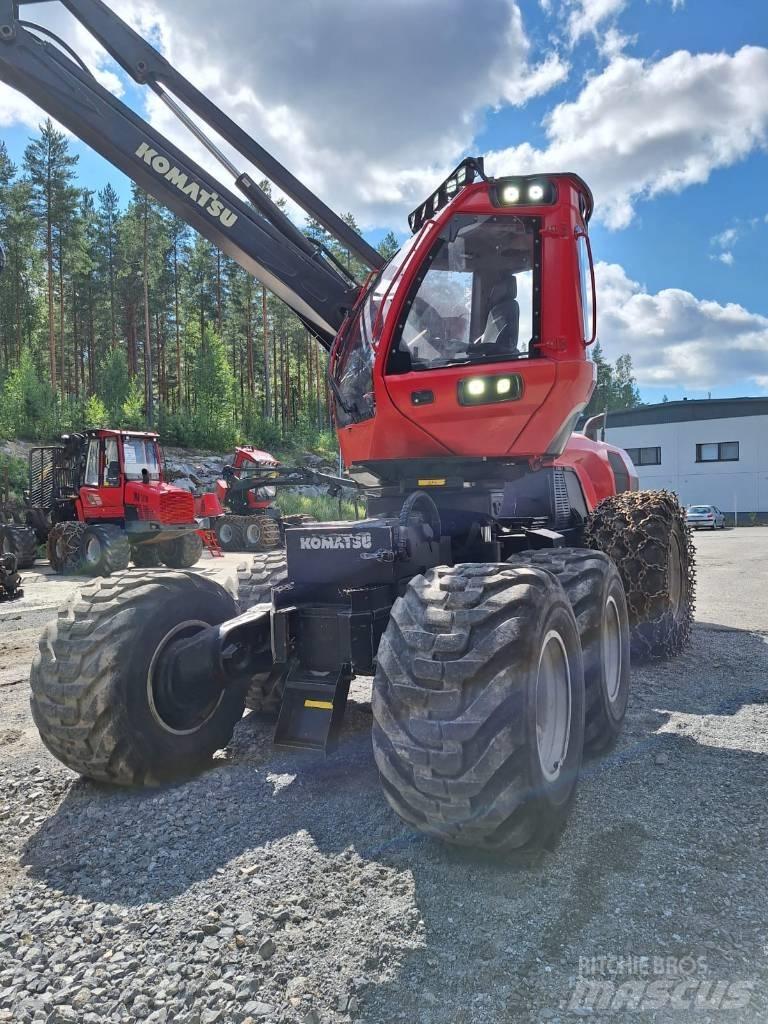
663	857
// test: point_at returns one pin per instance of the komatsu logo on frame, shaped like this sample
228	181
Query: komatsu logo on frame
209	201
336	542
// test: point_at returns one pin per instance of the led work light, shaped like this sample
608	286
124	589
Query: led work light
484	390
523	192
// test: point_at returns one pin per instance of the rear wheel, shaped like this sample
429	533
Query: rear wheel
182	552
145	556
102	698
20	541
645	533
478	706
594	588
229	532
104	550
260	533
64	547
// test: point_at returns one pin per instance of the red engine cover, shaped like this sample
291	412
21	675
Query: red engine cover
161	503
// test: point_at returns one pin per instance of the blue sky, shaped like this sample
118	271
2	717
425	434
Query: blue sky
661	105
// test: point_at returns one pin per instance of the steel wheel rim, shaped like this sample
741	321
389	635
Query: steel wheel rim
92	552
225	533
165	698
612	649
253	533
675	573
553	706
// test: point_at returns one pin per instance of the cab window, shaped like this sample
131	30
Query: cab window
111	463
92	464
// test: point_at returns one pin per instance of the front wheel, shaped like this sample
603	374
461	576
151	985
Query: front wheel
645	533
183	552
594	588
104	550
229	533
102	699
478	706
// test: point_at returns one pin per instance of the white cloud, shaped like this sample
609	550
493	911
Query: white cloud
725	239
726	258
586	15
640	128
368	104
675	338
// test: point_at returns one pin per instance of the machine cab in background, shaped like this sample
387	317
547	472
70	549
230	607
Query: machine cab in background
472	341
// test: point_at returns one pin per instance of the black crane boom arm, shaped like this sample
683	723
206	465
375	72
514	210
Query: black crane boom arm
263	241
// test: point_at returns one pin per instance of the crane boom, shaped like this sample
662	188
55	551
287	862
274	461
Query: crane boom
255	233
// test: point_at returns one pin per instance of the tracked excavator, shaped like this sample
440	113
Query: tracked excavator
508	568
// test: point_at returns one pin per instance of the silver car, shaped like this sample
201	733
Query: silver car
705	516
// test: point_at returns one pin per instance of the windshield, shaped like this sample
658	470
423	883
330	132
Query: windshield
140	454
700	510
475	302
353	372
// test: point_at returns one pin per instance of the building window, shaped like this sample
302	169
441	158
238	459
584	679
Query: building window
645	456
722	451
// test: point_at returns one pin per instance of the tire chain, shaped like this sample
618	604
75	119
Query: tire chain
650	518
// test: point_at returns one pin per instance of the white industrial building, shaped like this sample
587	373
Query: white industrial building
710	452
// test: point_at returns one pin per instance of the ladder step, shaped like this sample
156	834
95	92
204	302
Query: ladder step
312	710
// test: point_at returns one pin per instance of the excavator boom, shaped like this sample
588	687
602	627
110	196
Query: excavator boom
252	230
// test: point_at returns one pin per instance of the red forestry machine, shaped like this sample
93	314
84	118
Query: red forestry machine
252	521
508	564
98	501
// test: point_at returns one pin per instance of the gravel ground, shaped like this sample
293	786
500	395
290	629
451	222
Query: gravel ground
280	887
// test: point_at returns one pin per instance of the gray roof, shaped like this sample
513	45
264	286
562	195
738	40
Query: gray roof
688	410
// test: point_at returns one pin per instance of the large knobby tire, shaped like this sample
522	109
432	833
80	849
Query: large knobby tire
594	588
478	706
100	698
64	547
645	533
104	550
182	552
145	556
254	586
20	541
229	533
255	581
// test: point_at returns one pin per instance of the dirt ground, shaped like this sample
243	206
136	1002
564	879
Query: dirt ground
278	887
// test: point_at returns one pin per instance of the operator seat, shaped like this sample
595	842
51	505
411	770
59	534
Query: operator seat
503	323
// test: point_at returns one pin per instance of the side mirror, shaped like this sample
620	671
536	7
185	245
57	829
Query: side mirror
593	424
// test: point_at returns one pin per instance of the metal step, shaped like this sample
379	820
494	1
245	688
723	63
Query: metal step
312	710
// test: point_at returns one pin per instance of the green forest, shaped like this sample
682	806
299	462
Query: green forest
115	313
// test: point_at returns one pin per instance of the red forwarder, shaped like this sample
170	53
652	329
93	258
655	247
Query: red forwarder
507	566
99	501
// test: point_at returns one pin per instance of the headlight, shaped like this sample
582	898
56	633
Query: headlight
523	192
488	390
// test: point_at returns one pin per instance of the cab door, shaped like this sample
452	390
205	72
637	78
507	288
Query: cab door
102	491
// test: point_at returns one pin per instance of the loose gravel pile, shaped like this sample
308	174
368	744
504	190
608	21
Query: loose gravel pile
280	888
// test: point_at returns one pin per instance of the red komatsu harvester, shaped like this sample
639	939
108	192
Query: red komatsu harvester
508	567
99	501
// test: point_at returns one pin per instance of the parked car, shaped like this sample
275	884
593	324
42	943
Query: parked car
699	516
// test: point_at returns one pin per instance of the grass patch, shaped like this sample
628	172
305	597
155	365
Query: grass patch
323	508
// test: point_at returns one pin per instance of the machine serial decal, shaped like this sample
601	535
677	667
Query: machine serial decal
336	542
209	201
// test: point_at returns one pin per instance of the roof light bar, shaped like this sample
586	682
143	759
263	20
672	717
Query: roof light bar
465	174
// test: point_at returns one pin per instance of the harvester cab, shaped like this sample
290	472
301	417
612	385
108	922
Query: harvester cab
508	564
